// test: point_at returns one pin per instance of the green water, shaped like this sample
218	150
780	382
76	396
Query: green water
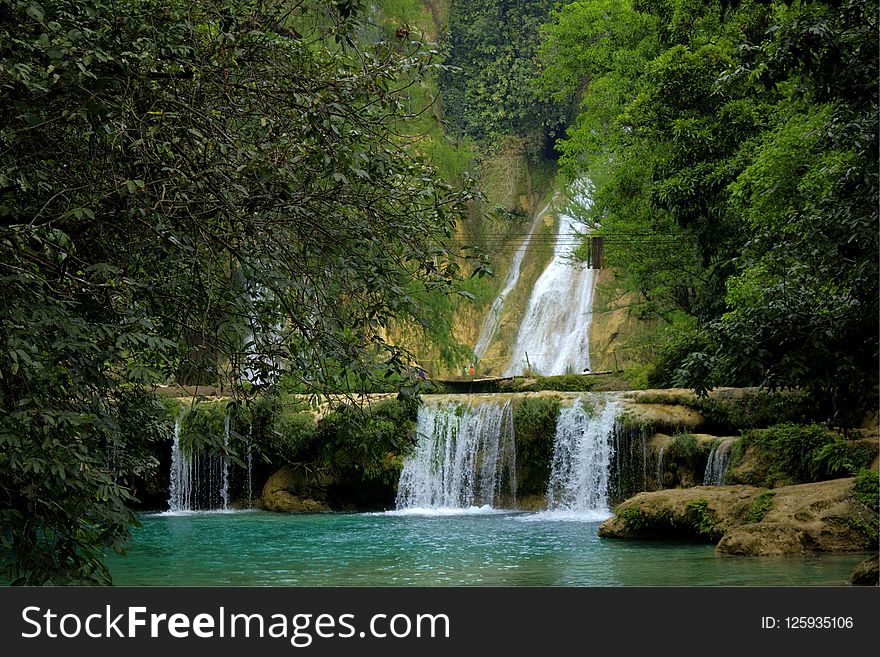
509	549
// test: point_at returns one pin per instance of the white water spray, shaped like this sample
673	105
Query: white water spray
180	488
199	482
719	460
465	457
659	476
554	336
224	475
493	318
582	453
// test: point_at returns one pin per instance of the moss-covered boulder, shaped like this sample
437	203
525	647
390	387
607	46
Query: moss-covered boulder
822	516
296	490
704	512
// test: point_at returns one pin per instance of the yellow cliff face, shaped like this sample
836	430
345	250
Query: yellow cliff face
618	338
512	185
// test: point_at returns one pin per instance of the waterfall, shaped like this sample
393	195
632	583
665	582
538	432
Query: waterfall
582	455
490	324
249	460
180	487
629	466
464	457
716	466
660	468
554	336
199	482
224	475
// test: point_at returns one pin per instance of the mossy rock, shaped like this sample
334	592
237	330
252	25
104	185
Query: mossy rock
296	490
703	513
821	517
283	502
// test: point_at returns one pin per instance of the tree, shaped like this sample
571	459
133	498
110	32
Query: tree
734	153
215	183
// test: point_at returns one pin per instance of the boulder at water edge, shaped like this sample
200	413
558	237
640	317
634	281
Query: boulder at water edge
295	490
820	516
866	573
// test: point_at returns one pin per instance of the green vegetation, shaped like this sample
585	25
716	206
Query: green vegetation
867	491
793	453
734	160
697	522
493	43
265	198
760	507
346	443
867	488
218	191
561	383
684	460
701	518
534	420
746	409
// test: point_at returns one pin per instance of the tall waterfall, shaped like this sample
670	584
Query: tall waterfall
465	457
199	482
490	324
554	336
582	454
716	466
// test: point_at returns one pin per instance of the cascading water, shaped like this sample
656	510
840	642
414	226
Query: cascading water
719	460
180	488
659	478
493	318
465	457
582	456
249	460
554	336
199	482
224	481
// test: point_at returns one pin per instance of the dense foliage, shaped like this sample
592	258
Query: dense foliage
734	159
215	190
491	93
797	453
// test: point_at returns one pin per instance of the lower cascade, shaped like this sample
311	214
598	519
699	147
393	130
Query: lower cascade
465	457
582	454
199	482
719	459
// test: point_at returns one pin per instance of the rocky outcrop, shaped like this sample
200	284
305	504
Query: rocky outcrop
748	520
706	512
807	517
295	490
660	416
866	573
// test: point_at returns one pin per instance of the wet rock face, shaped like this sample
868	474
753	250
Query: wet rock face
747	520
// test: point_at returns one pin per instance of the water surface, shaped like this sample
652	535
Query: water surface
480	547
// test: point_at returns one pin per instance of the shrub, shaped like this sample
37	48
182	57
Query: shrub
534	421
701	518
867	491
867	488
760	507
802	453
